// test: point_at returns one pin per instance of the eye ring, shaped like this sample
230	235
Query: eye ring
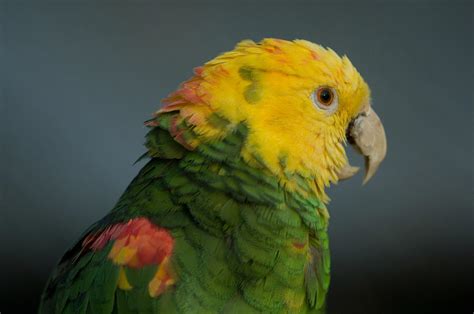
325	98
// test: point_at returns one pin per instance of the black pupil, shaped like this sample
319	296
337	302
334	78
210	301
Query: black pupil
325	96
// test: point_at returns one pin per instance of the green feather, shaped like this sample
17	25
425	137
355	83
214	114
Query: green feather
234	228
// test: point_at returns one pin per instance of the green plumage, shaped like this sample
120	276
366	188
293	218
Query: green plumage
243	244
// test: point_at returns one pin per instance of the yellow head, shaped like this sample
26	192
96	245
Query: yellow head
296	98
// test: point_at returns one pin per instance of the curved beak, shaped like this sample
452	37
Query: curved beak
367	136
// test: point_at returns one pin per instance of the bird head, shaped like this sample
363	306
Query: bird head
300	102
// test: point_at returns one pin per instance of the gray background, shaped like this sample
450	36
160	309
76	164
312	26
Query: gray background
79	78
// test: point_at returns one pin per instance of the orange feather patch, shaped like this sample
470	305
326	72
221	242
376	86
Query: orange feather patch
137	243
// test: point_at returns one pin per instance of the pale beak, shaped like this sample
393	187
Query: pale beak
367	136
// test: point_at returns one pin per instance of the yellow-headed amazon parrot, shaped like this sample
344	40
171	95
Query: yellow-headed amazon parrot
229	215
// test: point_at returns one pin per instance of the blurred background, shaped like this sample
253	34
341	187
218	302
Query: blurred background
78	79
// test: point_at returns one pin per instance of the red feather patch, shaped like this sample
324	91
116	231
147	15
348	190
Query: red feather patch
137	243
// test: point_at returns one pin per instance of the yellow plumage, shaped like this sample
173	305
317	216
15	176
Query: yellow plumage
269	86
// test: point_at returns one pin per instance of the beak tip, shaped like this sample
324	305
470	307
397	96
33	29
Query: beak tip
366	180
370	170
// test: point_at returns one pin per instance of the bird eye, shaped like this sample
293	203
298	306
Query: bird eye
325	98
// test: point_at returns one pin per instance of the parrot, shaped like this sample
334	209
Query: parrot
229	213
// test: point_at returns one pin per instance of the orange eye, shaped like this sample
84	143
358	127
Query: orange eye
325	98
